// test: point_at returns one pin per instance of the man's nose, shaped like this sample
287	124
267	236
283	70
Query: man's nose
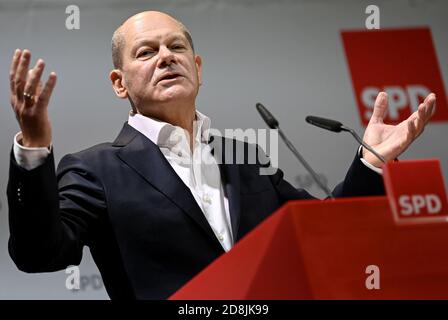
166	57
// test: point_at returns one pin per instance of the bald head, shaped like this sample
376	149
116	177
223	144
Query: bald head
131	26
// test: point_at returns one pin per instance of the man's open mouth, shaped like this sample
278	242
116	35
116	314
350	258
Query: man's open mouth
169	76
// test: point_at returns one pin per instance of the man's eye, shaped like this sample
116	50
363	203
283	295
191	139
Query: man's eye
178	47
144	53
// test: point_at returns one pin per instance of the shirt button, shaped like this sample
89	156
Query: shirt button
206	198
179	153
220	237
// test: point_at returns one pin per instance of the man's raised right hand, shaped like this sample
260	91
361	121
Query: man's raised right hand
29	99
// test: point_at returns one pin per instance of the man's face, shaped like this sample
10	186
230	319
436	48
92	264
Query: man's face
159	65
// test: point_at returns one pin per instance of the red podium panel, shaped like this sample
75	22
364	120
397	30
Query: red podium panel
321	250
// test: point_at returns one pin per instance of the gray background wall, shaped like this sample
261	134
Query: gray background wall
286	54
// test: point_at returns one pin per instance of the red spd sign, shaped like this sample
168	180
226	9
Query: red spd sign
401	62
416	191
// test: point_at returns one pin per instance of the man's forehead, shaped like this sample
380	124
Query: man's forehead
150	23
157	34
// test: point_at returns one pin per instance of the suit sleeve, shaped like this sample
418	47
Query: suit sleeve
52	216
359	181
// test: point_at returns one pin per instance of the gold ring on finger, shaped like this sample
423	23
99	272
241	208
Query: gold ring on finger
29	96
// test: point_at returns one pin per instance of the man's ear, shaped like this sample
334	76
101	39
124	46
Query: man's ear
198	61
116	77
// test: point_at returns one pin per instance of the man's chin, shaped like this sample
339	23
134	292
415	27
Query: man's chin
174	93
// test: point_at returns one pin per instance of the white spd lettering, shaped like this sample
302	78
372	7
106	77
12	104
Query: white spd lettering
399	98
415	204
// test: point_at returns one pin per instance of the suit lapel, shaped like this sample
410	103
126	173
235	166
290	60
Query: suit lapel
230	177
232	189
147	160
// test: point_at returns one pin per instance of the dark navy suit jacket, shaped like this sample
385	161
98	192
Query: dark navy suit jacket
144	229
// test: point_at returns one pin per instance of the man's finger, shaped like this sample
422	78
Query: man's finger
429	97
430	102
39	88
421	111
22	70
34	78
419	121
379	108
45	95
412	130
13	69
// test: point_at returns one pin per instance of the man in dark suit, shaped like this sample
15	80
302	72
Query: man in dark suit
158	204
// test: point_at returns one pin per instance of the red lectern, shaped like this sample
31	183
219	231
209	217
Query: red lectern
321	250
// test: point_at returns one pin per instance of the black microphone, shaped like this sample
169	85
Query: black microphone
267	116
336	126
328	124
273	124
